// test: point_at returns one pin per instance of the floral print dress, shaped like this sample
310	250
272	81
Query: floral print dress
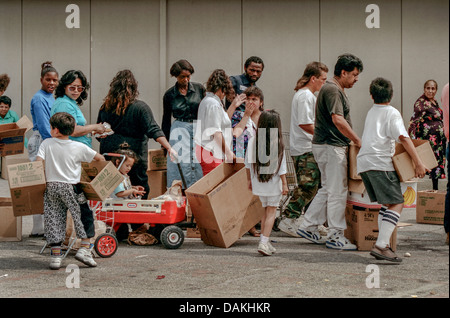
427	124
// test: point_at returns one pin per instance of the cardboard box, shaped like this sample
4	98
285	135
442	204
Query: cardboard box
223	206
362	227
99	179
10	225
27	186
430	207
12	160
157	160
157	181
12	139
357	194
12	136
352	153
402	161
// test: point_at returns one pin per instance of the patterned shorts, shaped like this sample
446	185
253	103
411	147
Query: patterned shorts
58	198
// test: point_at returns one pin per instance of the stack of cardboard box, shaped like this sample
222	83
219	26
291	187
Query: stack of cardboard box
157	172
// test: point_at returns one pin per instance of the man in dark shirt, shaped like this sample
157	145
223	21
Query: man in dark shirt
332	134
253	69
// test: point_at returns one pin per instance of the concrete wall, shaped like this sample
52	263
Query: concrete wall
410	46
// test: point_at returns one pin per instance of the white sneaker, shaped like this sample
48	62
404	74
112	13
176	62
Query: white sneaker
264	249
314	237
85	256
338	241
55	262
289	226
271	248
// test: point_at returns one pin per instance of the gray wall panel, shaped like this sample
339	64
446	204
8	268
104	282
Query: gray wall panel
344	30
425	52
286	37
47	38
11	50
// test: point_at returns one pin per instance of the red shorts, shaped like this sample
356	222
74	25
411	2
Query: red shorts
206	159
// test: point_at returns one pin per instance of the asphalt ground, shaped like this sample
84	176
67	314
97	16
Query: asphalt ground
202	274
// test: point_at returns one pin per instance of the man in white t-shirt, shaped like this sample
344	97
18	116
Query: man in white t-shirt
383	127
301	134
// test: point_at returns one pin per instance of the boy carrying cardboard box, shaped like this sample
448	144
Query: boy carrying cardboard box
384	125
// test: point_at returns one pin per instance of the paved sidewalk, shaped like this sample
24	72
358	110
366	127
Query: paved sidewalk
299	269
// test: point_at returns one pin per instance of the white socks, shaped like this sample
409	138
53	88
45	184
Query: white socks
380	215
387	226
263	239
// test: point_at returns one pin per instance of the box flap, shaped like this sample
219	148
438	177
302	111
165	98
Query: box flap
215	177
25	122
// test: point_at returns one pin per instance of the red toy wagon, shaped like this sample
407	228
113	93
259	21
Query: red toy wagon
169	213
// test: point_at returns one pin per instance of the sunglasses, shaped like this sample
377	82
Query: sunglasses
76	88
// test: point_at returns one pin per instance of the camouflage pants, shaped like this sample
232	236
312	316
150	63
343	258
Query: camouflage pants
308	179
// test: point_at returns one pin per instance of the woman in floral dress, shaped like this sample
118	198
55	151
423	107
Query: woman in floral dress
427	124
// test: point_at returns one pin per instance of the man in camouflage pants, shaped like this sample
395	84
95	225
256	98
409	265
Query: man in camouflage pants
301	133
308	181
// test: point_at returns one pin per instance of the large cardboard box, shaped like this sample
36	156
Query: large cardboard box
223	206
362	227
357	194
403	163
157	160
27	186
10	225
430	207
12	139
157	181
99	179
11	160
352	153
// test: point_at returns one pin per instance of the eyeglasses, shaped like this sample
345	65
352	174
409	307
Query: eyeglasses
76	88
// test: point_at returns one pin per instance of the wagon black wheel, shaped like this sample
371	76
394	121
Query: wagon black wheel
172	237
105	245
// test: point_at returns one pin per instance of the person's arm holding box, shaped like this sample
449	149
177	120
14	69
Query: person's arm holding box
99	157
421	170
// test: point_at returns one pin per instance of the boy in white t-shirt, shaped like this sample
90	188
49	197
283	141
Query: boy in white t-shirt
62	161
383	127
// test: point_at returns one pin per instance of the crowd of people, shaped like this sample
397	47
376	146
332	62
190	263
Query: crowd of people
226	121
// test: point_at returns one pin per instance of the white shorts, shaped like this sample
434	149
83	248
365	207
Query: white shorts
273	201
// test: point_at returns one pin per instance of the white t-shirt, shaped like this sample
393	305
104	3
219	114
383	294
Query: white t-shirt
63	159
303	112
212	118
384	125
274	186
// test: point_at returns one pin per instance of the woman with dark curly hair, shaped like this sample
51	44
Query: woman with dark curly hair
214	136
132	122
70	94
427	124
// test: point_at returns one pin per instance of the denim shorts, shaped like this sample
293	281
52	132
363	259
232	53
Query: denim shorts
383	186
